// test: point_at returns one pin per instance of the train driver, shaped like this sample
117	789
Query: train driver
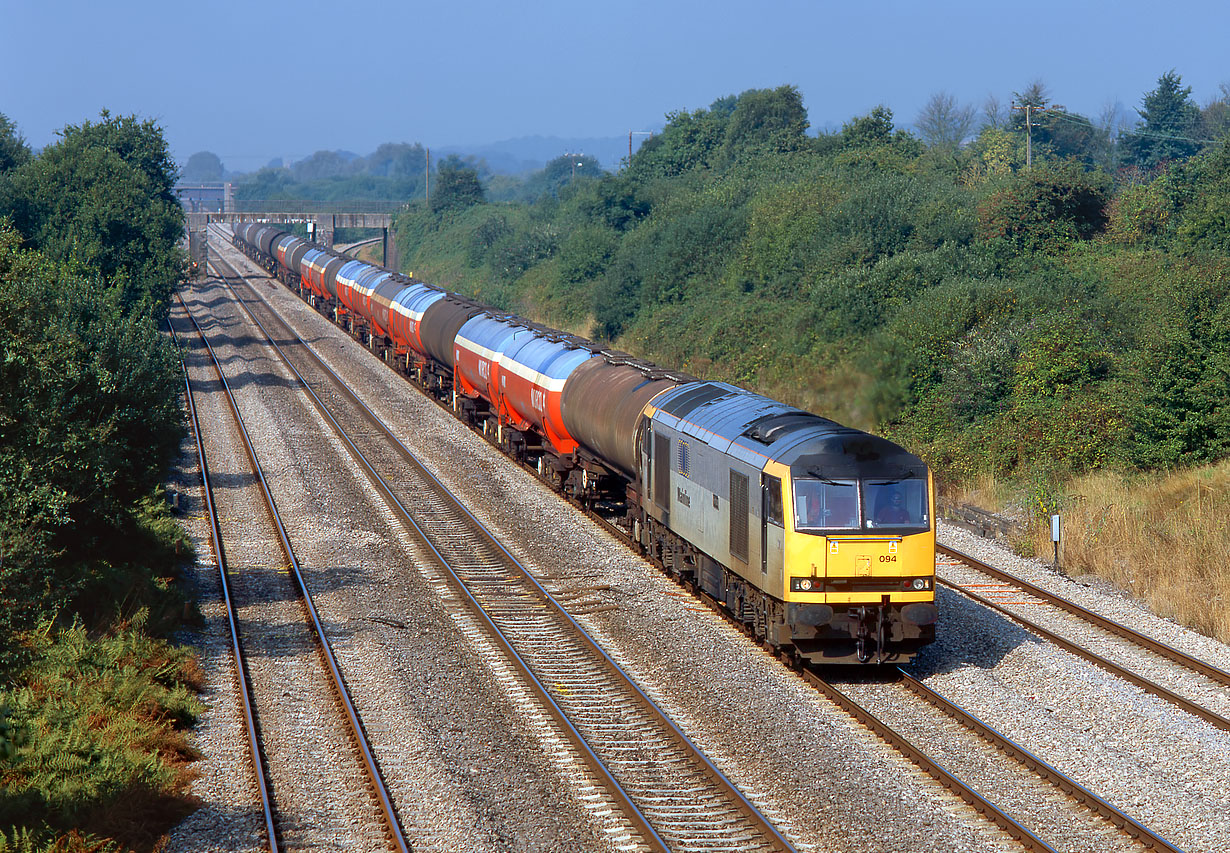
893	510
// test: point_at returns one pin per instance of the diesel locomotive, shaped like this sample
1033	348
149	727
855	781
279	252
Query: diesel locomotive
819	537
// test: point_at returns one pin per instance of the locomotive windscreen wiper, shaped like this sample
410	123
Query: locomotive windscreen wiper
826	480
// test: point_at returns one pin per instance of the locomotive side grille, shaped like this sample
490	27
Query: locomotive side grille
738	515
662	470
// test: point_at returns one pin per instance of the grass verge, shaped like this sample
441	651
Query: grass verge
1165	538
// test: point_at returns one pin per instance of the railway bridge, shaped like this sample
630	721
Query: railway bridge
322	218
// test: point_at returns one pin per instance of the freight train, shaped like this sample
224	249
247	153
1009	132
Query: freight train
818	537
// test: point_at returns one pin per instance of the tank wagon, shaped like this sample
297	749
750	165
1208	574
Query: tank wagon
819	537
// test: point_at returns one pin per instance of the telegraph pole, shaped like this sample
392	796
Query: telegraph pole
1029	128
637	133
427	177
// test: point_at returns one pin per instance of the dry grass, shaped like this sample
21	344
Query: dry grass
1163	538
983	491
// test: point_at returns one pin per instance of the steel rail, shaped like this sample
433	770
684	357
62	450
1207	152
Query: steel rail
1056	777
1116	628
899	742
1097	660
745	806
1108	811
636	817
1119	819
241	662
359	735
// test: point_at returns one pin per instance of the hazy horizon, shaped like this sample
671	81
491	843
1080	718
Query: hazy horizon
227	82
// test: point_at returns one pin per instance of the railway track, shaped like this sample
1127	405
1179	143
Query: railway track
262	632
247	697
1027	596
672	795
1098	815
1086	821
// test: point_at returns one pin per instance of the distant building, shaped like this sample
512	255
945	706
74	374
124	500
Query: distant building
206	197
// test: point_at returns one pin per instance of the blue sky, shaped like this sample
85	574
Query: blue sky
266	78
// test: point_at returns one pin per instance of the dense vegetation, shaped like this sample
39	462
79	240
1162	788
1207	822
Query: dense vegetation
91	702
1032	322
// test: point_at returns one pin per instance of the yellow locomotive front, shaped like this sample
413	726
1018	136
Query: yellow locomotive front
859	557
820	538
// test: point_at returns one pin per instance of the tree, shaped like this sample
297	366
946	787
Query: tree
994	114
1183	416
397	160
101	200
13	149
322	164
766	120
1215	116
89	418
1201	187
1035	95
202	167
996	153
870	141
690	140
1171	122
561	172
875	128
1063	135
944	123
457	186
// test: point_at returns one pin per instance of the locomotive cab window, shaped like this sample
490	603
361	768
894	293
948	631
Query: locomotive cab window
774	513
826	504
896	503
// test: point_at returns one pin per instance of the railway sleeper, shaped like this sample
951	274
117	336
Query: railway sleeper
834	634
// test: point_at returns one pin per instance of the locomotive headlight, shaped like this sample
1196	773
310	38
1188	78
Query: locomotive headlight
916	585
806	585
920	584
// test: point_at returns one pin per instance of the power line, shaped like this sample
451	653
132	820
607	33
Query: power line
1029	128
1064	116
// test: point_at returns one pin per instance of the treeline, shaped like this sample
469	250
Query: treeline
393	172
1031	321
91	703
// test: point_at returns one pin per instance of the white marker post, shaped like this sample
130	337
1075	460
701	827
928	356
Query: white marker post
1056	527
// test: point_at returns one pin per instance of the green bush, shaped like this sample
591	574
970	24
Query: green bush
95	737
90	417
1045	208
955	300
586	253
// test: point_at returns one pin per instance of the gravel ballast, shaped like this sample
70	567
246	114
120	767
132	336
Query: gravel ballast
831	785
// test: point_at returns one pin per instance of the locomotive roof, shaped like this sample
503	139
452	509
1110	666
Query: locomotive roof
758	429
